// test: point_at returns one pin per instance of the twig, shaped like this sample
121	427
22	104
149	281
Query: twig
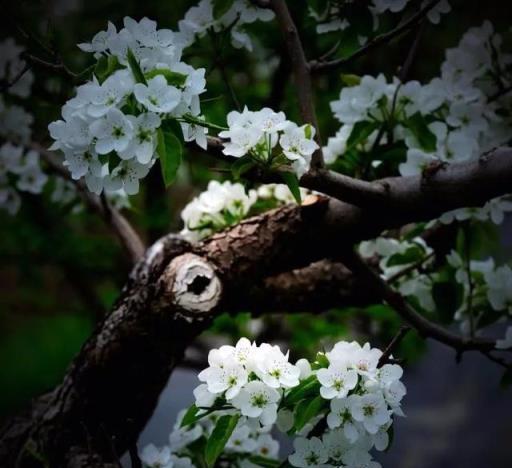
384	359
424	327
411	55
410	268
57	67
320	66
127	235
301	72
500	93
348	189
8	84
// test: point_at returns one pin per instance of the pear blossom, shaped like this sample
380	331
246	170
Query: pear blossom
341	416
114	114
199	19
154	457
308	453
370	410
221	205
112	132
229	379
126	176
417	162
499	283
265	135
105	96
257	400
240	440
143	144
336	381
266	446
157	95
273	368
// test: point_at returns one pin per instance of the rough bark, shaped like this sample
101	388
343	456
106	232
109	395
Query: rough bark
113	384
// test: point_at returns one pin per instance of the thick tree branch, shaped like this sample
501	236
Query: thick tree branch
121	227
317	66
174	292
301	72
316	288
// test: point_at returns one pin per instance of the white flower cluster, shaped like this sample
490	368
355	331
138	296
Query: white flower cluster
485	289
268	138
279	194
224	204
248	377
363	400
483	284
397	256
18	171
449	119
220	206
356	399
246	441
109	129
334	16
200	19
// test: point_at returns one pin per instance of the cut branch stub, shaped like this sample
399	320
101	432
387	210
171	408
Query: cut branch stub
192	285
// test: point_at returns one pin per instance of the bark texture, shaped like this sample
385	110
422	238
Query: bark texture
280	260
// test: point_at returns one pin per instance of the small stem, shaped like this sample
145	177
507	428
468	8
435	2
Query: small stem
203	123
384	359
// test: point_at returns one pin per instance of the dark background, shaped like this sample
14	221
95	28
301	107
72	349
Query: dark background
60	272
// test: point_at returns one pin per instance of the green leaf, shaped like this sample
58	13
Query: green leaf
169	150
290	179
173	126
190	417
350	80
308	131
266	462
220	7
173	78
135	68
307	410
419	128
307	388
320	361
219	437
360	133
412	255
242	165
105	66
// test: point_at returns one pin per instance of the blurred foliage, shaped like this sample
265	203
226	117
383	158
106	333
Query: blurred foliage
61	270
33	358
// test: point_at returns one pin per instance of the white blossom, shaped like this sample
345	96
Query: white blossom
157	95
258	400
336	381
370	410
309	453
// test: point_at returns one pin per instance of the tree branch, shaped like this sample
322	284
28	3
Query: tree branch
301	72
175	291
119	225
426	328
317	66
